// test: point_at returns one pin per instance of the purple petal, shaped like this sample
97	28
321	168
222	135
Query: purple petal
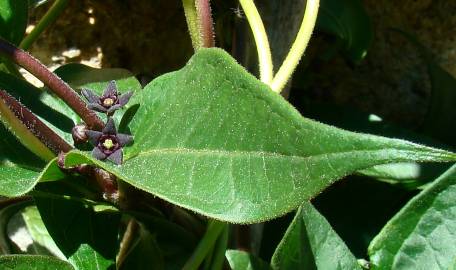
94	136
116	156
90	96
123	99
113	108
110	127
124	139
96	107
96	153
111	89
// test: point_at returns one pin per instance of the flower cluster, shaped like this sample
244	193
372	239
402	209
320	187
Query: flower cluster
107	143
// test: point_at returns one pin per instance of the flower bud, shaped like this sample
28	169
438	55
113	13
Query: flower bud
79	134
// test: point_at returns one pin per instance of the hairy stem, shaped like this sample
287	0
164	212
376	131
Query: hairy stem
192	22
298	47
206	27
261	40
50	17
199	20
204	246
31	131
54	83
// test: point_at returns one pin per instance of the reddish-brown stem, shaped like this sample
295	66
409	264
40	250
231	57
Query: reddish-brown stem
40	130
53	82
203	9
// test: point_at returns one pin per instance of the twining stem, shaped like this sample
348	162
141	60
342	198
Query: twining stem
298	47
200	25
204	246
54	83
50	17
261	40
29	129
206	25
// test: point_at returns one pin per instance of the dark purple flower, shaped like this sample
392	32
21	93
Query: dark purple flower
108	143
110	101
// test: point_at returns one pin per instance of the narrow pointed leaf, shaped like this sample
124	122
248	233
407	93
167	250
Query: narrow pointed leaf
35	262
423	234
213	139
311	243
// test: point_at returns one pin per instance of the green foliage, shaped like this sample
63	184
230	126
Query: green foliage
211	130
213	145
422	234
13	19
240	260
311	243
86	237
33	262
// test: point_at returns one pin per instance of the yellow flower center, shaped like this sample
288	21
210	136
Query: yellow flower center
108	102
108	144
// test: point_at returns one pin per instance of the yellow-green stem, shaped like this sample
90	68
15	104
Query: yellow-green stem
261	40
51	15
298	48
192	22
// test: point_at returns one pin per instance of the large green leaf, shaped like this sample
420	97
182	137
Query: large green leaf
13	19
214	139
86	237
311	243
423	234
32	262
347	20
240	260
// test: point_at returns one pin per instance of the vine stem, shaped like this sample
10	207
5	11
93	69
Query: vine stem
29	129
205	23
298	47
54	83
200	25
50	17
261	40
192	22
220	250
204	246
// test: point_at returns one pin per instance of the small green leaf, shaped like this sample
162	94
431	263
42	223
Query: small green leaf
423	234
348	21
311	243
213	139
16	181
240	260
87	238
34	262
13	19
